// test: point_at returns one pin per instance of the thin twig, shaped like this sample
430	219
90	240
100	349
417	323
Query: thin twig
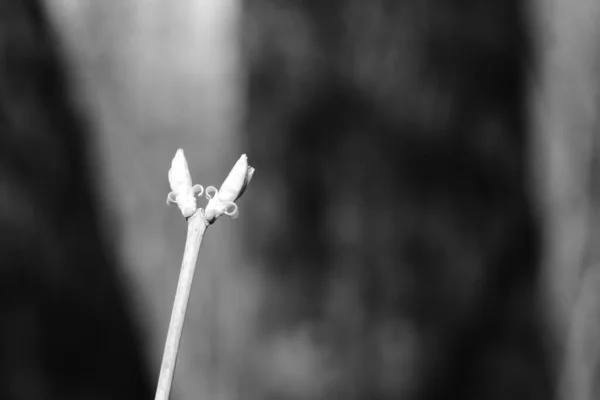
222	201
197	225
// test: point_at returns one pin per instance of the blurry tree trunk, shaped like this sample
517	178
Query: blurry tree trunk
565	121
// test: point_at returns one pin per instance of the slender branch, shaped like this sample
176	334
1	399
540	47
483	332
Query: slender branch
183	193
197	225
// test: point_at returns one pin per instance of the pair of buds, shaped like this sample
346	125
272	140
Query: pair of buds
221	201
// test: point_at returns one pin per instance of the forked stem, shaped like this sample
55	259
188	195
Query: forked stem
184	195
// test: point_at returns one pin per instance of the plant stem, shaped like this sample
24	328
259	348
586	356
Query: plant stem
196	227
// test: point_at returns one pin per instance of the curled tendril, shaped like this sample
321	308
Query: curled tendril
231	209
197	190
211	189
172	198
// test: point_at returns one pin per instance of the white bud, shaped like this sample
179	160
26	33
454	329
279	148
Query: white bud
180	181
236	182
233	188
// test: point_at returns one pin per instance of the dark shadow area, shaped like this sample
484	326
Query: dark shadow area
392	147
65	328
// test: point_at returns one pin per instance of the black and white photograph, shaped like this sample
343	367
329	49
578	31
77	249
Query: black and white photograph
299	200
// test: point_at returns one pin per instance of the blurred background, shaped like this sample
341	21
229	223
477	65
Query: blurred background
421	223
